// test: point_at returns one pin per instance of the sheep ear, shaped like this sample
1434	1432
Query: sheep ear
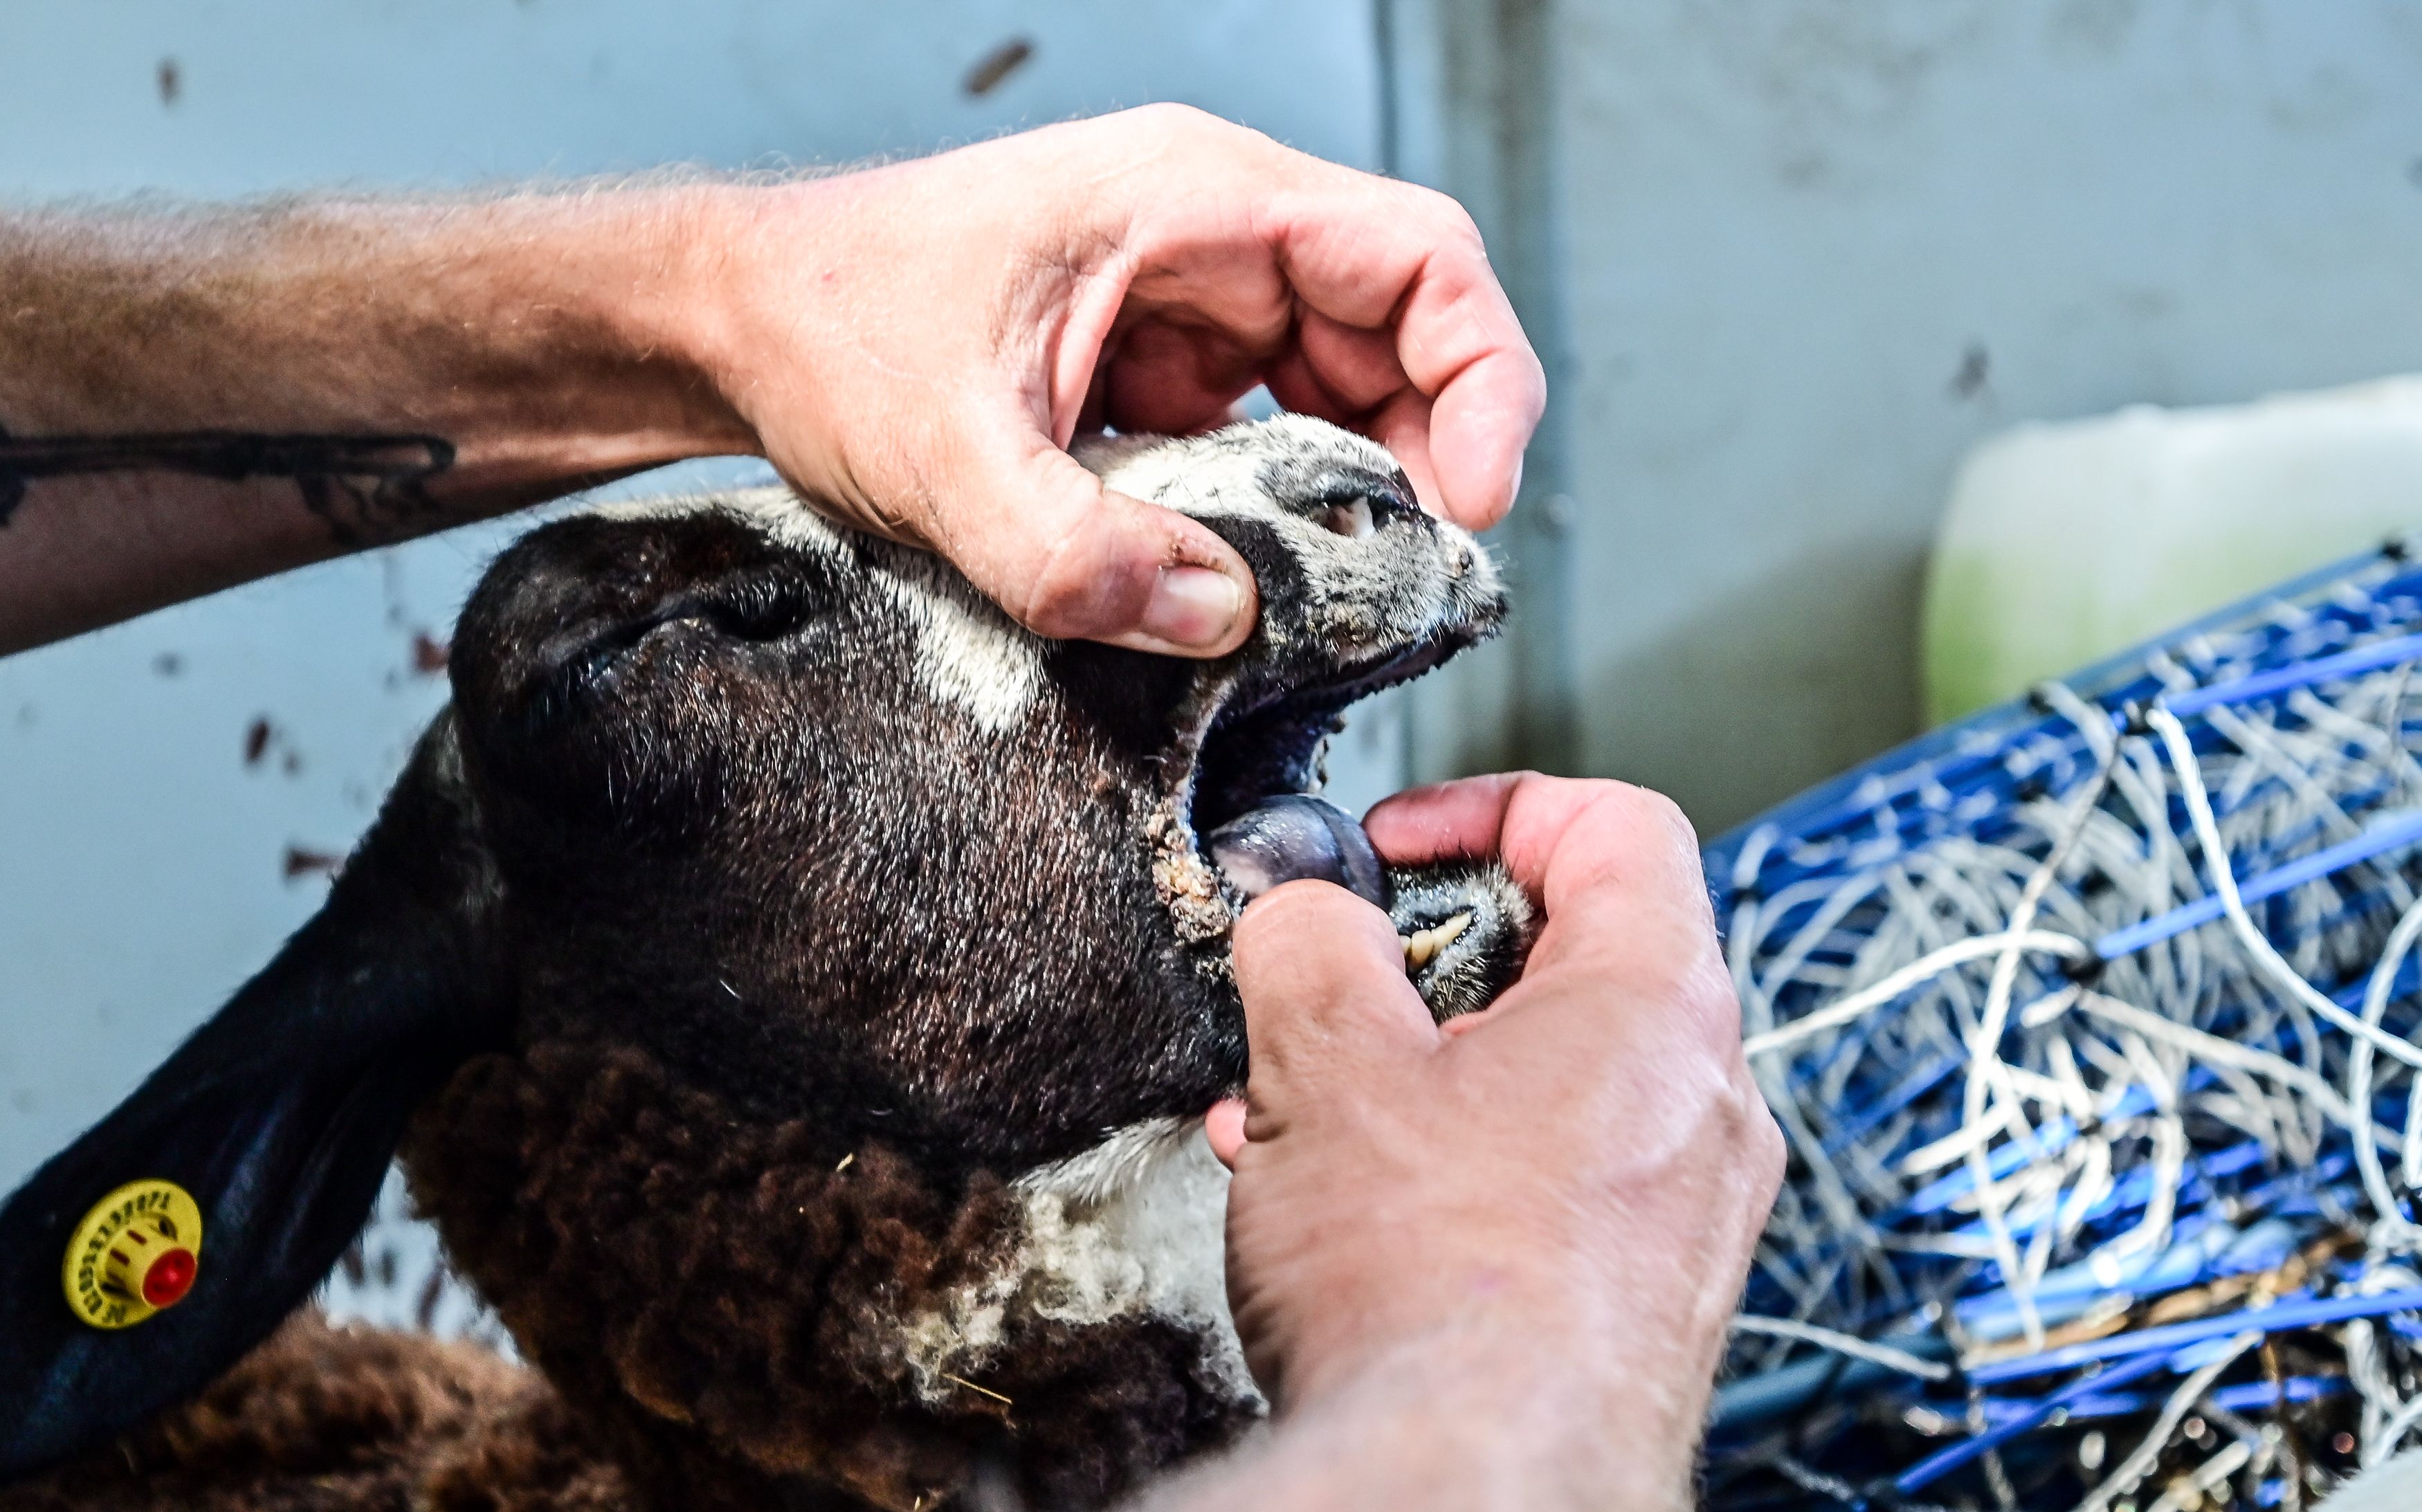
278	1117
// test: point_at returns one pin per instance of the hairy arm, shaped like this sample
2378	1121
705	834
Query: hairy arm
1492	1263
1486	1416
190	399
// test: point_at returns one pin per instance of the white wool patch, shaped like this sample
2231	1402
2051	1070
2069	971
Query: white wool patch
1135	1226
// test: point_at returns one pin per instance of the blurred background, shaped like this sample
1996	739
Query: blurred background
1788	264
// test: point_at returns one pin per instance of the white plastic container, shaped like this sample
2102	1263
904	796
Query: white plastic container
2065	542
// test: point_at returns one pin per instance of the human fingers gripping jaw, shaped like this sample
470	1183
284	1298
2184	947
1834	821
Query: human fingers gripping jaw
1627	973
908	343
1584	1166
1087	562
1537	824
1328	1006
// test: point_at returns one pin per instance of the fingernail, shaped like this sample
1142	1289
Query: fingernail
1192	607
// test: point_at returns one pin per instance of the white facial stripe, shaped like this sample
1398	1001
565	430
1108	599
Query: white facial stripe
775	512
1221	473
969	655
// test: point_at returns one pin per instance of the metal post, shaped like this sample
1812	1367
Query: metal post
1469	96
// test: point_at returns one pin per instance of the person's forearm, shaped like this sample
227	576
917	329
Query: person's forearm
189	401
1474	1421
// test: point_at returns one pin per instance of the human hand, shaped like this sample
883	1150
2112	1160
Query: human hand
916	345
1578	1173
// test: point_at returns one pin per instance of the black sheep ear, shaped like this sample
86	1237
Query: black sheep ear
278	1118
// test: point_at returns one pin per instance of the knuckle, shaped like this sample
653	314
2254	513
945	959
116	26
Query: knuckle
1058	607
1460	225
1285	910
1701	997
1534	384
1087	584
1654	827
1710	994
1167	115
1661	816
1445	215
1656	818
1672	968
1064	607
1768	1156
1175	123
1760	1152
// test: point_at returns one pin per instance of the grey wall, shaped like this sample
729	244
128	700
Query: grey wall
1801	253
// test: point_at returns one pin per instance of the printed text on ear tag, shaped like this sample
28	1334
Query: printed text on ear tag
136	1253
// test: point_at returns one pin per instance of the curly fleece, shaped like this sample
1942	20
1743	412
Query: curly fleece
348	1420
728	1320
737	1312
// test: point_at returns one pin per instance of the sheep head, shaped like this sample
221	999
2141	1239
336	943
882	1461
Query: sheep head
809	983
805	815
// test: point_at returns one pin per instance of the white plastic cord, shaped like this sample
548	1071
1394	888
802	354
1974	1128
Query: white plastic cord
2045	1106
1857	1004
2149	1453
2189	1492
1988	1076
1845	1344
2224	880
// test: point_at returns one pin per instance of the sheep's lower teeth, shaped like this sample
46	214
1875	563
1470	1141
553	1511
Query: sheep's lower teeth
1423	945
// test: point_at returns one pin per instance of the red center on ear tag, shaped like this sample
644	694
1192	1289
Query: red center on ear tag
170	1276
136	1252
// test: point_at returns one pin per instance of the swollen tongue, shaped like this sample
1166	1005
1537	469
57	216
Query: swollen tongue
1298	836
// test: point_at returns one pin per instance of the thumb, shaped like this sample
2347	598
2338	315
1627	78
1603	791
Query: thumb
1322	976
1070	560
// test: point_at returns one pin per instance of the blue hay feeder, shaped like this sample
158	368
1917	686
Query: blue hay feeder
2081	1212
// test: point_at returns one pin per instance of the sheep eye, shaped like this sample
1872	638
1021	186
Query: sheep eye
1351	519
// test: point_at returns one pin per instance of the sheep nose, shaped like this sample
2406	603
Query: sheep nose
1296	836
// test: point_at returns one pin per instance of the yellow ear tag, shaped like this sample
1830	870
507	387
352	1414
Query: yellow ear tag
135	1254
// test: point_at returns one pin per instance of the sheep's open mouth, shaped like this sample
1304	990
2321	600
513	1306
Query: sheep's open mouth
1254	812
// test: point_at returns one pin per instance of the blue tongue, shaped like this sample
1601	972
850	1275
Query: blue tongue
1296	836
